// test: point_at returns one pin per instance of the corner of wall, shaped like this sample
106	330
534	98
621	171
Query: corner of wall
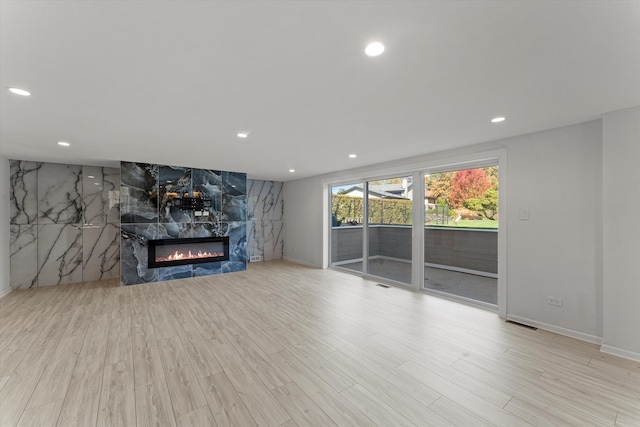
5	286
621	232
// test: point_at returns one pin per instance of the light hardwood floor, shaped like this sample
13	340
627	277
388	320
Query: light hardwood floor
286	345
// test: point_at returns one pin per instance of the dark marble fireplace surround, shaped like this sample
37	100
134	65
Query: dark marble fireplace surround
149	212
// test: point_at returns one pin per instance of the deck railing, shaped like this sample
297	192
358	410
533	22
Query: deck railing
456	248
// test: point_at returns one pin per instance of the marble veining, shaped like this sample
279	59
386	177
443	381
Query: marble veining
142	220
255	241
174	183
101	251
138	206
59	194
133	253
138	193
278	201
139	175
234	198
100	195
265	207
174	230
64	223
59	254
23	258
208	184
278	239
260	200
23	189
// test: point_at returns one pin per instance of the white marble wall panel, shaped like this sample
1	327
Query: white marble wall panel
278	239
24	256
59	194
267	239
278	201
49	202
260	200
265	206
101	195
255	241
59	254
24	192
101	251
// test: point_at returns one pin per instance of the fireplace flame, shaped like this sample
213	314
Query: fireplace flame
189	255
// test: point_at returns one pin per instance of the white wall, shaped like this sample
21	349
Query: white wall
4	226
621	232
556	174
304	221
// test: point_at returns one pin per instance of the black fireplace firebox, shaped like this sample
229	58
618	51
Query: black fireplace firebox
172	252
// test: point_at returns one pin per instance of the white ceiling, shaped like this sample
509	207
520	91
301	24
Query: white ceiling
172	82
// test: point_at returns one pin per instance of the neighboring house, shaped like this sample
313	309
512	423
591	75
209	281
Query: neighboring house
403	190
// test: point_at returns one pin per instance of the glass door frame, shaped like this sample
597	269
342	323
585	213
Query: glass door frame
437	164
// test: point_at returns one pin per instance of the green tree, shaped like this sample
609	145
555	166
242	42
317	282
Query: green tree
486	205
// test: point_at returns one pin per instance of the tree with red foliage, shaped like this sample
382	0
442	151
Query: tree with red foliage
467	184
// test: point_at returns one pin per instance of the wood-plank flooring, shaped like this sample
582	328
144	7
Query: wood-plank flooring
287	345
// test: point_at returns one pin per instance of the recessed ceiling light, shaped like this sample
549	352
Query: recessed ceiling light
96	183
19	91
498	119
242	134
292	170
353	156
90	176
374	49
64	144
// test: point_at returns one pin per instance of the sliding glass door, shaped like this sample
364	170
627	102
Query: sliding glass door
390	218
347	218
461	233
435	231
374	215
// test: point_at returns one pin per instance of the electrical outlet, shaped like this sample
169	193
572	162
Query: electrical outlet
524	214
554	301
255	258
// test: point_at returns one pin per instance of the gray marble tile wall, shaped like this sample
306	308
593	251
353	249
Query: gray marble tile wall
148	211
265	226
64	223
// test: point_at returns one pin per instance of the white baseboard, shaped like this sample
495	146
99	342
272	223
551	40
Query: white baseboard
557	329
5	292
297	261
620	352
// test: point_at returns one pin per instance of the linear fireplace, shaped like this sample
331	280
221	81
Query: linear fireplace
172	252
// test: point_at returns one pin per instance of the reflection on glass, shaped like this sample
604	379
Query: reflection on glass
461	240
390	214
347	216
